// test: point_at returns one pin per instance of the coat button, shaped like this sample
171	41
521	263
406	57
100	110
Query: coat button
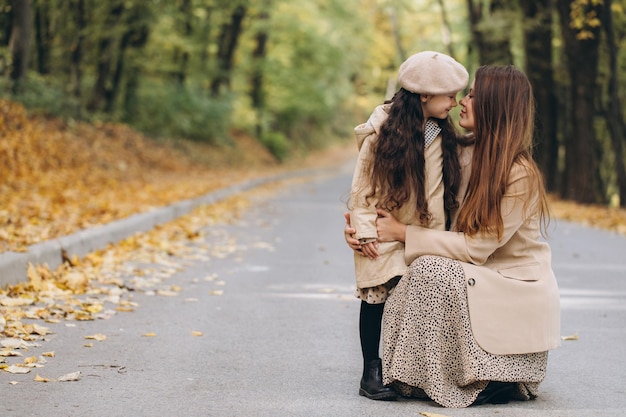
471	282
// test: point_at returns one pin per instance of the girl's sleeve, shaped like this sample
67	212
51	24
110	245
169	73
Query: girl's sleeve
363	211
474	249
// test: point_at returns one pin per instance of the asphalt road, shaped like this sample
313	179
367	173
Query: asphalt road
282	339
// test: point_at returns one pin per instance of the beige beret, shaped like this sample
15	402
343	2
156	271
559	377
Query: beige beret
432	72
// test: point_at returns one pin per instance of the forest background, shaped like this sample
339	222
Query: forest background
276	79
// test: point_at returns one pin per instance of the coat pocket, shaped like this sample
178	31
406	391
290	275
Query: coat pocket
528	272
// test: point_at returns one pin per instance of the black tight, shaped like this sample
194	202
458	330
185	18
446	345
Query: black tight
370	323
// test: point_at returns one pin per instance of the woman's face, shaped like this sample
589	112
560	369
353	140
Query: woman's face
467	110
438	106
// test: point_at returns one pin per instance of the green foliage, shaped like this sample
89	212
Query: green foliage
168	110
277	143
42	95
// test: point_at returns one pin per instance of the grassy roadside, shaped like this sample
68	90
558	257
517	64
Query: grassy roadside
60	177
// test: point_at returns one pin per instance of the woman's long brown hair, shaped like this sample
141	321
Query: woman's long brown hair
397	170
504	115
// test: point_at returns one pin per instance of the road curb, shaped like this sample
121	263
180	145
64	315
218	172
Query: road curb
13	265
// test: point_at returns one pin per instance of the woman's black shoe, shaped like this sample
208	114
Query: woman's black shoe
495	393
372	383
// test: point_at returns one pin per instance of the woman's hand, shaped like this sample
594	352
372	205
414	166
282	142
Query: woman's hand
389	228
368	249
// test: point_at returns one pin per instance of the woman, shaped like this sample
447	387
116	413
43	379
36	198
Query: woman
473	318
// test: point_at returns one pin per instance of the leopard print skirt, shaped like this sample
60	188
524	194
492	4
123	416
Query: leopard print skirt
428	348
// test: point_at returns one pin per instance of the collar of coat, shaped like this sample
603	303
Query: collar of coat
431	130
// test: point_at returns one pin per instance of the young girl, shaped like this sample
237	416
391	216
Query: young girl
407	165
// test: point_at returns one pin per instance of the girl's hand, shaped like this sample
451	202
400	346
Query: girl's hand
348	233
369	249
389	228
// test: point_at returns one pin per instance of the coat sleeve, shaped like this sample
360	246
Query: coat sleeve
474	249
363	210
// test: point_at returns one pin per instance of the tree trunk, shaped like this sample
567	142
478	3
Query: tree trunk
181	56
105	59
491	31
614	114
227	44
538	48
19	43
581	180
257	94
76	56
137	37
110	93
206	37
6	22
43	36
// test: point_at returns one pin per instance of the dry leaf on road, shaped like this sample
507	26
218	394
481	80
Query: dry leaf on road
98	336
41	379
17	369
74	376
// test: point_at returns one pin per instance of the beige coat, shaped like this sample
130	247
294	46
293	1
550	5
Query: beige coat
391	262
512	292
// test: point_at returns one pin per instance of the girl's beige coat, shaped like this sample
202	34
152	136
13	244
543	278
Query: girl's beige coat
391	262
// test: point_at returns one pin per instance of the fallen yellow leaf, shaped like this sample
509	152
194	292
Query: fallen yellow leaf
98	336
12	343
48	354
15	302
7	353
31	359
74	376
572	337
196	333
16	369
93	308
41	379
167	293
150	334
36	329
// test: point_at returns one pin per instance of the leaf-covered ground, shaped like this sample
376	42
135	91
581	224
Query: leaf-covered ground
59	177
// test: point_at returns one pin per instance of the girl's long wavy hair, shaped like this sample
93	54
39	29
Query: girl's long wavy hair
504	115
397	169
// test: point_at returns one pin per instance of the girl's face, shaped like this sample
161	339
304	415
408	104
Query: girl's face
467	112
438	106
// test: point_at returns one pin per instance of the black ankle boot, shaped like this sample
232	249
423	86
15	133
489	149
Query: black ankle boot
372	383
496	393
